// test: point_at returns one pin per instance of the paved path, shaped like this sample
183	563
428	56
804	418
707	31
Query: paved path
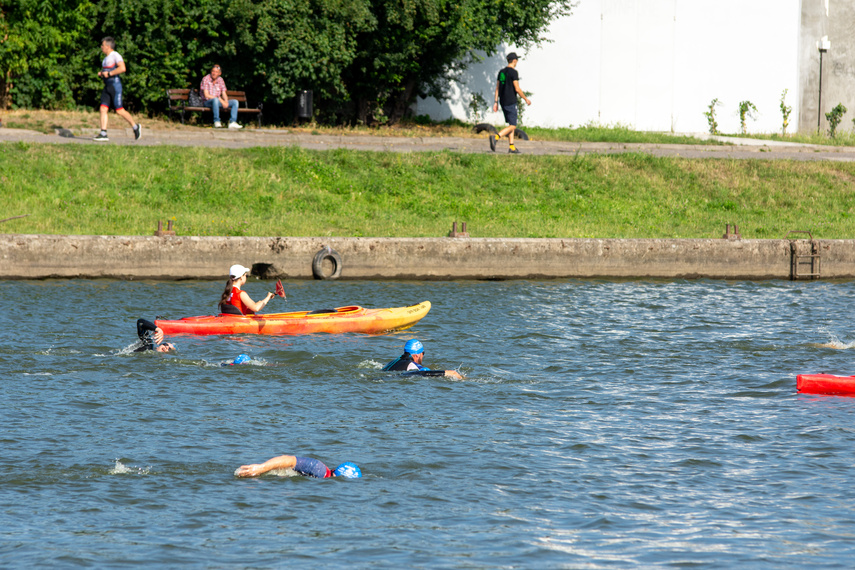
738	149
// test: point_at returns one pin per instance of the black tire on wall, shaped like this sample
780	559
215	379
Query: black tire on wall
322	262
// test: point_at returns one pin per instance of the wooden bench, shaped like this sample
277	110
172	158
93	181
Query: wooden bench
178	103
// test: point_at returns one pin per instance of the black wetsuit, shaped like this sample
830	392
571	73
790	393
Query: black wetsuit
145	330
403	362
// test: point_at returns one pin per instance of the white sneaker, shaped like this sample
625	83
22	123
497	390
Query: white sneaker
235	126
218	125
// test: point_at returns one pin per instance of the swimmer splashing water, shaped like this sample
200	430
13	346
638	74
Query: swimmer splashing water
151	337
303	465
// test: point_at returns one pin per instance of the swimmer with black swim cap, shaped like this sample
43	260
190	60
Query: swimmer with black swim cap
410	363
152	337
303	465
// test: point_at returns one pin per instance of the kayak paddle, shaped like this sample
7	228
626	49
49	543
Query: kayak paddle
280	290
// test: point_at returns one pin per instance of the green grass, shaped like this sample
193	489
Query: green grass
285	191
843	138
615	134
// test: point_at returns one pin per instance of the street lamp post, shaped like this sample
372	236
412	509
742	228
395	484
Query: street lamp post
823	46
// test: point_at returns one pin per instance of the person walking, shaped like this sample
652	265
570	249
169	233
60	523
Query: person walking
112	66
214	96
507	89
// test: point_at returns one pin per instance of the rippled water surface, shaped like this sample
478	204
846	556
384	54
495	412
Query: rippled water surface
600	424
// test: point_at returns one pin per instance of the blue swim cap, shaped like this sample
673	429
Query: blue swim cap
241	359
413	346
349	470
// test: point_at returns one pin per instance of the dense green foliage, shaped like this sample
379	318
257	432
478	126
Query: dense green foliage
365	60
41	60
288	191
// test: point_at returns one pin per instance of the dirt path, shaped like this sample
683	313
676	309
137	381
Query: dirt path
739	149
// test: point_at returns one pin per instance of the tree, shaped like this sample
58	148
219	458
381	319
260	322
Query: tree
420	46
163	43
271	48
41	59
365	59
302	44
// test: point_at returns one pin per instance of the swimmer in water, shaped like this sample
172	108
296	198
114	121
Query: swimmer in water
410	363
152	337
303	465
241	359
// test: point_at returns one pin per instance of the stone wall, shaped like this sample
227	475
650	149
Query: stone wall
166	258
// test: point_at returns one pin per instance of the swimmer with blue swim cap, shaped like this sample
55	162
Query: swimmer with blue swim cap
303	465
241	359
410	363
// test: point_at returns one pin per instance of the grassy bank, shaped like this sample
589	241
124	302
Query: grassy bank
117	190
843	138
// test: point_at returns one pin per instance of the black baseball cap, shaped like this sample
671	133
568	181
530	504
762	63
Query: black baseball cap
512	56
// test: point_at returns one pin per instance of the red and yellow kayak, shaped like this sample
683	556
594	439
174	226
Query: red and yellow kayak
340	320
825	384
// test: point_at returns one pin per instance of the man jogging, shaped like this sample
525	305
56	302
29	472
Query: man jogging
507	89
111	67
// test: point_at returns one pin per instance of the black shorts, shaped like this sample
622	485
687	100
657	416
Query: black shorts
112	93
510	112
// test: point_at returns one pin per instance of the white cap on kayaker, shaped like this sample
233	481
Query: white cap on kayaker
238	271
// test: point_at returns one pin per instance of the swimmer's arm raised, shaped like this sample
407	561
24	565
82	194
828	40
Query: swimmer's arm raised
144	326
255	469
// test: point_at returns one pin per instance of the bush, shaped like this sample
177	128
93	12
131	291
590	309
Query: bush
710	115
834	118
746	110
785	113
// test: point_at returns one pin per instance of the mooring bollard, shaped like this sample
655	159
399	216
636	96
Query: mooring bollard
455	234
161	232
734	235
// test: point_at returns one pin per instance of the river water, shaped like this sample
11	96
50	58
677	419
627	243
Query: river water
601	424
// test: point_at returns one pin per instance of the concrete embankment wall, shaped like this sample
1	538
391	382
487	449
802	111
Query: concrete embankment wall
163	258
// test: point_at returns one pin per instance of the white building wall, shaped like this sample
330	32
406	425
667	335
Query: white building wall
652	65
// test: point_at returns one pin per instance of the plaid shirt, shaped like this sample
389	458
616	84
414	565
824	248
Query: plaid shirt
215	87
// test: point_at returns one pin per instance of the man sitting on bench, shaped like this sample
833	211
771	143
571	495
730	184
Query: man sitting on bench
213	92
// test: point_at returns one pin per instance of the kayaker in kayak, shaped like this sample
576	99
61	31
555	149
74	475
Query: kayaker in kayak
302	465
235	300
410	363
151	337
